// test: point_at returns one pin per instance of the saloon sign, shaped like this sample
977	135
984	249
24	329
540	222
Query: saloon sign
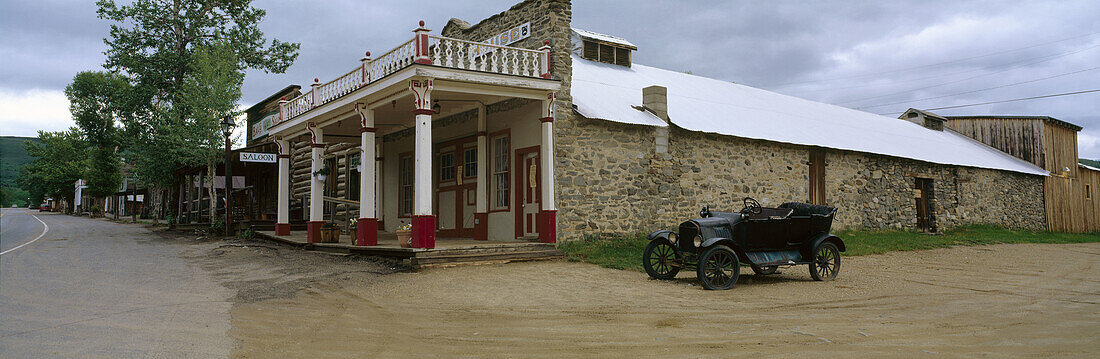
258	157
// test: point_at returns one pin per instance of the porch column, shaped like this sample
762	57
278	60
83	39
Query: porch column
316	201
548	222
423	221
282	222
481	212
367	224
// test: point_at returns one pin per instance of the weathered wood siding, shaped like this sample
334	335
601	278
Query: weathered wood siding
1069	209
1052	146
1022	138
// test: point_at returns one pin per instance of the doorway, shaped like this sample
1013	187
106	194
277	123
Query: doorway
923	196
456	184
528	195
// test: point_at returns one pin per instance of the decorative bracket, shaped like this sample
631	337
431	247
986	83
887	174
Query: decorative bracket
548	112
422	90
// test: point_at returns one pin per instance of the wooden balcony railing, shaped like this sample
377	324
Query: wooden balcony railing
424	49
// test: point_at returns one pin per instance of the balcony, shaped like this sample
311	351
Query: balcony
422	49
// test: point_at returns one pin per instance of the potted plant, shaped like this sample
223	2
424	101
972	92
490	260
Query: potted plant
330	232
322	173
353	230
404	235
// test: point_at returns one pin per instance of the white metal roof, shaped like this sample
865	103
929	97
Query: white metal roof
611	92
603	37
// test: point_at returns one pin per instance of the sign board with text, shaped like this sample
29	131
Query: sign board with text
258	157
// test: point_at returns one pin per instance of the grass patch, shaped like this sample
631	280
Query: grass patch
626	252
615	252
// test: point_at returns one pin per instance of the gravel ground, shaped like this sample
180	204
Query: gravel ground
990	301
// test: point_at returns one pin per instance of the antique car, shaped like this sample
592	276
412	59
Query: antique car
717	243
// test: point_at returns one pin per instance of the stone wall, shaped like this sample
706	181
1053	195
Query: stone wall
612	182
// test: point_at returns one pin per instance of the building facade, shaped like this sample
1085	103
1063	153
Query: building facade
520	126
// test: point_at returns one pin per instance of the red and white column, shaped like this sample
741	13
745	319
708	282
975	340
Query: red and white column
367	224
421	45
282	222
423	221
316	186
548	215
481	211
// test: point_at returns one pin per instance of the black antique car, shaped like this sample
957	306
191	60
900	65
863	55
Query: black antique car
763	238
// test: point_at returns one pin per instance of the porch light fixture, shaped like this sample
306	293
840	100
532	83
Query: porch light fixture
436	107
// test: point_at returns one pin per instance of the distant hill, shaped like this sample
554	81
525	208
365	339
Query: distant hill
12	157
1092	163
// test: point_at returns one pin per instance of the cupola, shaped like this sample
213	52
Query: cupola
602	48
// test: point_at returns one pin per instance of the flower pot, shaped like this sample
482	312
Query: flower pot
404	238
330	235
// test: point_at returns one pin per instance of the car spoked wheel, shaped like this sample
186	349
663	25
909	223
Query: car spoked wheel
718	268
826	263
765	270
660	260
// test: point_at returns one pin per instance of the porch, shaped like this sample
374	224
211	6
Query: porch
452	138
448	251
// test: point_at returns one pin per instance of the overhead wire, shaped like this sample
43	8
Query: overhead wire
1002	101
984	89
934	64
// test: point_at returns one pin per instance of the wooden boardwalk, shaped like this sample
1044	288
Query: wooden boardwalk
448	251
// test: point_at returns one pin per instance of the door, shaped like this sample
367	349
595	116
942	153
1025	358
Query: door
528	197
817	176
922	195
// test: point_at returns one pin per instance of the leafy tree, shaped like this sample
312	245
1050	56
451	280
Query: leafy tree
99	101
59	161
156	43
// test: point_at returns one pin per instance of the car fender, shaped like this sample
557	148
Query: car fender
722	241
825	237
658	234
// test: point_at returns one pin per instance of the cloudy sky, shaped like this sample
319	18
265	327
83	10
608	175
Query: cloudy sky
877	56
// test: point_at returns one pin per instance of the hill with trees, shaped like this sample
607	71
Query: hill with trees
12	157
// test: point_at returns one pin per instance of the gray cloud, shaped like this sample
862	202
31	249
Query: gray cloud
763	44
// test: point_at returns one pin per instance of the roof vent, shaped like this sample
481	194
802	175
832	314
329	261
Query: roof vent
602	48
924	118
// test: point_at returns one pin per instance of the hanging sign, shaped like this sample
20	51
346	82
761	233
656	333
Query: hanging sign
258	157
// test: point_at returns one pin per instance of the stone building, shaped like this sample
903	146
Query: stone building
521	126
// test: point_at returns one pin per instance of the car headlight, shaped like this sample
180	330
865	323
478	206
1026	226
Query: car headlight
672	237
698	240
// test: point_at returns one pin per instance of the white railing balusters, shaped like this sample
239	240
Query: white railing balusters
444	52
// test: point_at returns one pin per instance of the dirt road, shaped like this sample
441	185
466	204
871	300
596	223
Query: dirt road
990	301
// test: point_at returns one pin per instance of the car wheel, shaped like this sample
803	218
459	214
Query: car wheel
765	270
826	263
660	260
718	268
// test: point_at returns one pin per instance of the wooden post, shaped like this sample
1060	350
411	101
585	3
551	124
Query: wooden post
423	221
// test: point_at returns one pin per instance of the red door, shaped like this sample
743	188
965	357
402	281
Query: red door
528	197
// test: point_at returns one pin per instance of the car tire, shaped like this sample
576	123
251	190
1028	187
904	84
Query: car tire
826	262
718	268
660	260
765	270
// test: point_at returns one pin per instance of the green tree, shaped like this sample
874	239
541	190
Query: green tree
59	161
99	101
154	43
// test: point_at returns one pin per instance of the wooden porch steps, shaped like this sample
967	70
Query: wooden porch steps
481	254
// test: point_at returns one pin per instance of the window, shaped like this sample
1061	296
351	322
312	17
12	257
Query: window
353	177
1088	191
447	167
469	162
500	172
405	178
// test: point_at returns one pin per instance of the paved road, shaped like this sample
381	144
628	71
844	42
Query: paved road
92	288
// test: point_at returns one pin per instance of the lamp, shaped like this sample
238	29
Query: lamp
227	126
436	107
